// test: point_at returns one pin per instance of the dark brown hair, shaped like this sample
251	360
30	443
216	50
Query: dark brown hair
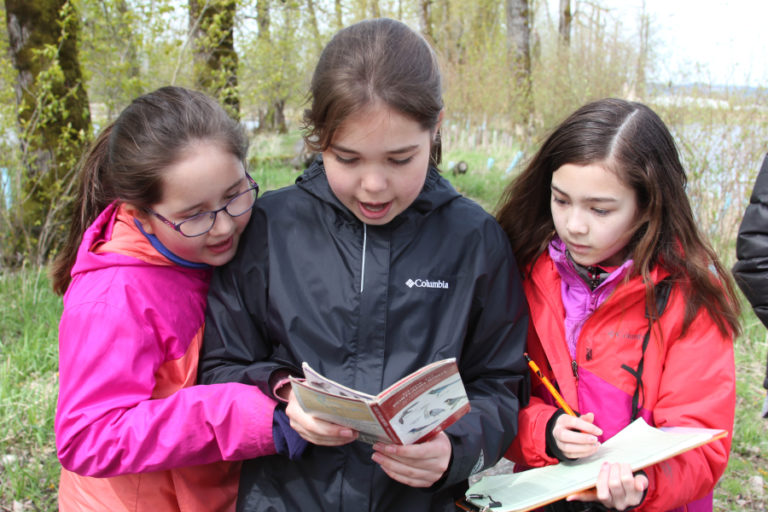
380	59
631	140
127	160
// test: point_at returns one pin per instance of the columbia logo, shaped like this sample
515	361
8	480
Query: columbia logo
424	283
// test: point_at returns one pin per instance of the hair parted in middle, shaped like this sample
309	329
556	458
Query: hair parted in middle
631	140
378	60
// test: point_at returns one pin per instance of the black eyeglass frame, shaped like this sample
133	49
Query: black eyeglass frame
213	213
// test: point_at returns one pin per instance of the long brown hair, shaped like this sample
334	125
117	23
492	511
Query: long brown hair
631	140
127	160
380	59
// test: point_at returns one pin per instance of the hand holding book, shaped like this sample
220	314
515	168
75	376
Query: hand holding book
409	411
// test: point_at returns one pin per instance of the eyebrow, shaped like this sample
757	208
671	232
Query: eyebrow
397	151
586	199
198	205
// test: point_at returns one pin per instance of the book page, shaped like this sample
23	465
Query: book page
638	444
322	383
348	411
429	409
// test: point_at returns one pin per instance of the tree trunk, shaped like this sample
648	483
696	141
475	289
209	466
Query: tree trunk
642	53
425	17
212	28
338	12
313	25
519	51
564	23
53	116
262	18
272	116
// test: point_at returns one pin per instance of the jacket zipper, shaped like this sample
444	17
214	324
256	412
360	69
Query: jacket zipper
362	266
575	369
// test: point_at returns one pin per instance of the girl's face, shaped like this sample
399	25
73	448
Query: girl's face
594	212
377	163
205	179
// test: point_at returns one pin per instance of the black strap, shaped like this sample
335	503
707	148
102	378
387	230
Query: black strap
661	292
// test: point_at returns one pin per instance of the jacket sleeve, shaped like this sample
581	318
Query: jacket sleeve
697	389
236	347
491	364
751	268
529	447
107	421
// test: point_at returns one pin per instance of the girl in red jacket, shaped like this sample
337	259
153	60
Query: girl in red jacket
632	314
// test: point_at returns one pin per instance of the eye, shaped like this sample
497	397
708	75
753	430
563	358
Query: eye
403	161
346	161
558	200
193	215
601	212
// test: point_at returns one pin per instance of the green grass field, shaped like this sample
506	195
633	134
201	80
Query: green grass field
28	365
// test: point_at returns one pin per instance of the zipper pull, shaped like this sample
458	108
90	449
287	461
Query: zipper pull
575	369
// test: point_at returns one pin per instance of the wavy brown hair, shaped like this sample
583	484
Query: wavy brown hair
127	160
631	140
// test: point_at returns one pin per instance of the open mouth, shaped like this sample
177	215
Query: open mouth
375	210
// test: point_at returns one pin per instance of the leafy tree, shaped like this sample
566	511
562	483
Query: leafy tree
53	118
212	26
111	53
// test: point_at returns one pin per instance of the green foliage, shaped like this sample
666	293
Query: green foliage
28	390
602	61
276	61
112	55
53	126
215	59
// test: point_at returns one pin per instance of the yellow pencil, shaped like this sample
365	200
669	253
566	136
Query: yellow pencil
549	386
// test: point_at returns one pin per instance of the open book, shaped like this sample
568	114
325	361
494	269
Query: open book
638	444
409	411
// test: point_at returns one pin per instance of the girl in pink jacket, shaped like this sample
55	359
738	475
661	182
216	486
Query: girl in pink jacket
632	314
163	197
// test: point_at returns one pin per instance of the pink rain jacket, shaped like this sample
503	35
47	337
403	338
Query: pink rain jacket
688	378
132	432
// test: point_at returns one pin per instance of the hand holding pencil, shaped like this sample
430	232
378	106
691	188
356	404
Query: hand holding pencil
575	436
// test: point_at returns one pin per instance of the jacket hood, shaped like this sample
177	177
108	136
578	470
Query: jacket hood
104	229
436	191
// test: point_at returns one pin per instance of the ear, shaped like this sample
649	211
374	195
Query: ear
141	215
436	129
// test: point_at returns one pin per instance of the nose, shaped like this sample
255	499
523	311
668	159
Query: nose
576	223
373	180
222	224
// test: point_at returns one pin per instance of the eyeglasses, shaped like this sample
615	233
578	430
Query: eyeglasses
200	224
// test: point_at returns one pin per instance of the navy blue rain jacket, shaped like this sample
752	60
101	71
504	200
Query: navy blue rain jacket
312	283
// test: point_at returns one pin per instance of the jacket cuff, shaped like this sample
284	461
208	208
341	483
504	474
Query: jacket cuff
277	379
287	441
458	467
551	445
645	492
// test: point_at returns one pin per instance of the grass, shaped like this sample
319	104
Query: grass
28	387
29	356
